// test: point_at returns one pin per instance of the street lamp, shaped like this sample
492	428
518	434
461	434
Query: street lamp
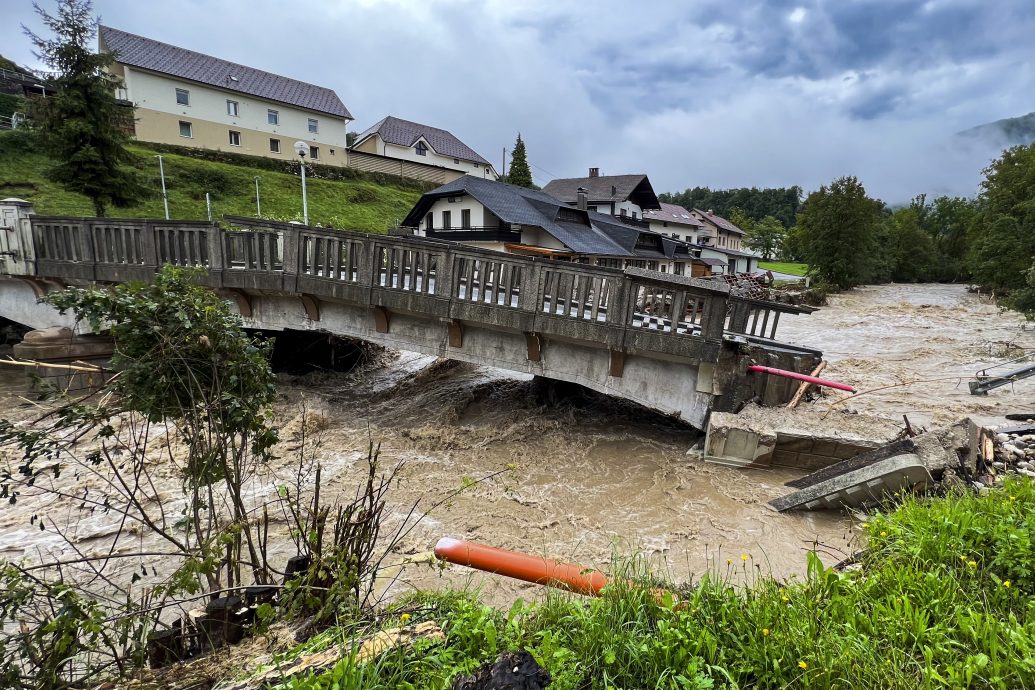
165	197
302	149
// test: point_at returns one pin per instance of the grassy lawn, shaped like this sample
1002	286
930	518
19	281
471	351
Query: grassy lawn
354	204
787	267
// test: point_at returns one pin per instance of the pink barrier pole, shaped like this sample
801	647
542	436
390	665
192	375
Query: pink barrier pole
802	377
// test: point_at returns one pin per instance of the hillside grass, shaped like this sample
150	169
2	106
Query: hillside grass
943	599
356	204
788	267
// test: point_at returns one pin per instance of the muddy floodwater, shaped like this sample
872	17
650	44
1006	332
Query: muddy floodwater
586	477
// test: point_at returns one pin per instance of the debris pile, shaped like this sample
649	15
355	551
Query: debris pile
1015	450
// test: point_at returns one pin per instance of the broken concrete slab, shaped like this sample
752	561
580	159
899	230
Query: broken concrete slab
858	462
860	488
802	438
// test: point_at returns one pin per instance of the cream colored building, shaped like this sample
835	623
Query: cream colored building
394	137
190	99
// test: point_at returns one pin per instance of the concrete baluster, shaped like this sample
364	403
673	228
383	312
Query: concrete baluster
292	259
713	316
148	243
533	286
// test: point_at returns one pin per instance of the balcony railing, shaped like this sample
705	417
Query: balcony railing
486	233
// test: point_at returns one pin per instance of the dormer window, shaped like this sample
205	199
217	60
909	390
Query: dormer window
645	241
421	148
571	215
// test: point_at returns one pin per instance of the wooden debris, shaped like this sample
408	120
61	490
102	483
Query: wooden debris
805	386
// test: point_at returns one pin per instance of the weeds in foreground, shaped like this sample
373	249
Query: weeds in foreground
944	599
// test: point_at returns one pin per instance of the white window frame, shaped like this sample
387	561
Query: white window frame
190	129
272	116
421	148
232	108
186	97
314	125
232	137
274	140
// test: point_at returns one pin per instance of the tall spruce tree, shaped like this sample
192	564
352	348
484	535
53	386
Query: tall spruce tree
83	127
520	174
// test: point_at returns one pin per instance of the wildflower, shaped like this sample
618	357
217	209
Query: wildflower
883	533
972	564
1006	583
963	558
1013	498
743	556
729	561
802	665
765	632
404	619
865	525
784	599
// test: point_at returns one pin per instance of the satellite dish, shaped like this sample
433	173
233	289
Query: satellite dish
302	148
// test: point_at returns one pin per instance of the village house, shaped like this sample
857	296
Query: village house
675	221
190	99
721	241
502	217
394	137
625	196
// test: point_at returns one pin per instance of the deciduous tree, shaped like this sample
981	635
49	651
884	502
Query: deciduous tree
838	226
83	126
1002	248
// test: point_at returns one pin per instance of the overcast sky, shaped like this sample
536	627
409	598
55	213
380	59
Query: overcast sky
723	93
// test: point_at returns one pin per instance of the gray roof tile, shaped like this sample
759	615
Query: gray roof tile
672	213
719	221
394	130
522	206
146	53
636	188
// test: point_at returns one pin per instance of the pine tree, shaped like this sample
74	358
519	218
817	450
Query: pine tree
82	127
520	174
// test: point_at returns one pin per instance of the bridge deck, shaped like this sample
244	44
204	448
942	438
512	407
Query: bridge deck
622	313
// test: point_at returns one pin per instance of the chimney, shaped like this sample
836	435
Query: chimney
594	172
582	191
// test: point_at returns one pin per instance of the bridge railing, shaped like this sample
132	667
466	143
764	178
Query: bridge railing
626	310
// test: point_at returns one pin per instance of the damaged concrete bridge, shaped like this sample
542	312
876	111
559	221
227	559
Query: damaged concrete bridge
675	344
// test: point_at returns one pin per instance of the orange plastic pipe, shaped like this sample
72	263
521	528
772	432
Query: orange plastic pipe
536	569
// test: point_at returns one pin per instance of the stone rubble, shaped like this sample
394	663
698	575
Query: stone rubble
1014	452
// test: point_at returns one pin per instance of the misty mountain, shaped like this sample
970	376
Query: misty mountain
1009	131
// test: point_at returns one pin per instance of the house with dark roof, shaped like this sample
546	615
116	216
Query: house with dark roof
625	196
187	98
406	140
723	241
507	218
675	221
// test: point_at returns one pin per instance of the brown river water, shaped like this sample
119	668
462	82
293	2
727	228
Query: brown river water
591	477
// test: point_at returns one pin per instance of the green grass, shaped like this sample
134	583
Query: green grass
787	267
944	599
358	204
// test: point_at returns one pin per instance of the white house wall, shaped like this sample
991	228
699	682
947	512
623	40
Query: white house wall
480	216
154	96
409	153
